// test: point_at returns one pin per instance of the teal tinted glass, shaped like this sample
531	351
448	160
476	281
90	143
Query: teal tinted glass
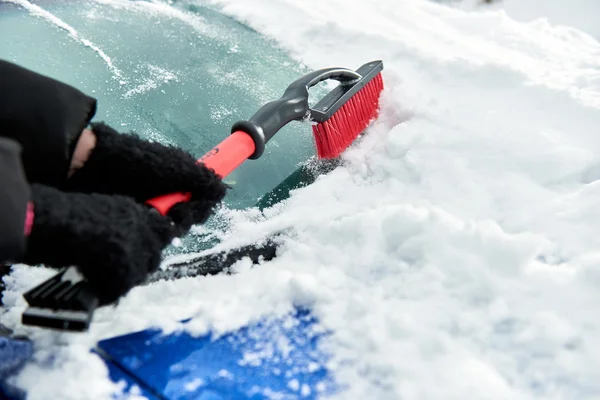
177	73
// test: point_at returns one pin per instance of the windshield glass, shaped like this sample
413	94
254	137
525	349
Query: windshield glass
185	81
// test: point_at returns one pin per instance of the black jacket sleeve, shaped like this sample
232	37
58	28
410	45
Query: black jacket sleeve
45	117
14	196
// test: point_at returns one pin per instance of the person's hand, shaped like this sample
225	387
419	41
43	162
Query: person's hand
127	165
114	241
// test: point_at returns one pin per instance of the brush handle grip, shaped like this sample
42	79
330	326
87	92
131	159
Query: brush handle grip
334	100
223	159
164	203
293	105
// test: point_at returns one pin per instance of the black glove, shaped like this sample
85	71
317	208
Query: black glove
127	165
112	240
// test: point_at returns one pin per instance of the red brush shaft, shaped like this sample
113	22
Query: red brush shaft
223	159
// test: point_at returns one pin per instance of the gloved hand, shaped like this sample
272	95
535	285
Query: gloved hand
125	164
114	241
94	220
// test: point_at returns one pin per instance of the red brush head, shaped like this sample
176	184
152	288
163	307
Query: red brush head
336	134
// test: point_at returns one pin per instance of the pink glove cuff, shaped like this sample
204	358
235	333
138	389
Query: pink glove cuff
29	218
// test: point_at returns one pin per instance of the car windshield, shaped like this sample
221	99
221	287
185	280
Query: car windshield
184	82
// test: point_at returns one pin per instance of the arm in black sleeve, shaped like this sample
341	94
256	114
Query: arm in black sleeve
114	241
46	117
14	196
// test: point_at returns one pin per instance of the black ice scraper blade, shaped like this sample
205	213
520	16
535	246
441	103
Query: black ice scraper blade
63	302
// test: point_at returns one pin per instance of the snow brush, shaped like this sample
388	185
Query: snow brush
66	301
339	117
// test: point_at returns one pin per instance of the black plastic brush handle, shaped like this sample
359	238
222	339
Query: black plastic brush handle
293	105
340	95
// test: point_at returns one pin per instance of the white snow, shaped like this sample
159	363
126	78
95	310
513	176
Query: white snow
581	14
457	255
157	77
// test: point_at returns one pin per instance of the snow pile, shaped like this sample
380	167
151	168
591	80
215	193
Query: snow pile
580	14
456	254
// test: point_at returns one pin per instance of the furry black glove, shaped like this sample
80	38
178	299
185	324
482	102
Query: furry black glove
127	165
112	240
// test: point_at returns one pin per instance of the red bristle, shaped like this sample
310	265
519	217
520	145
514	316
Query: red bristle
335	135
352	111
362	107
340	125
